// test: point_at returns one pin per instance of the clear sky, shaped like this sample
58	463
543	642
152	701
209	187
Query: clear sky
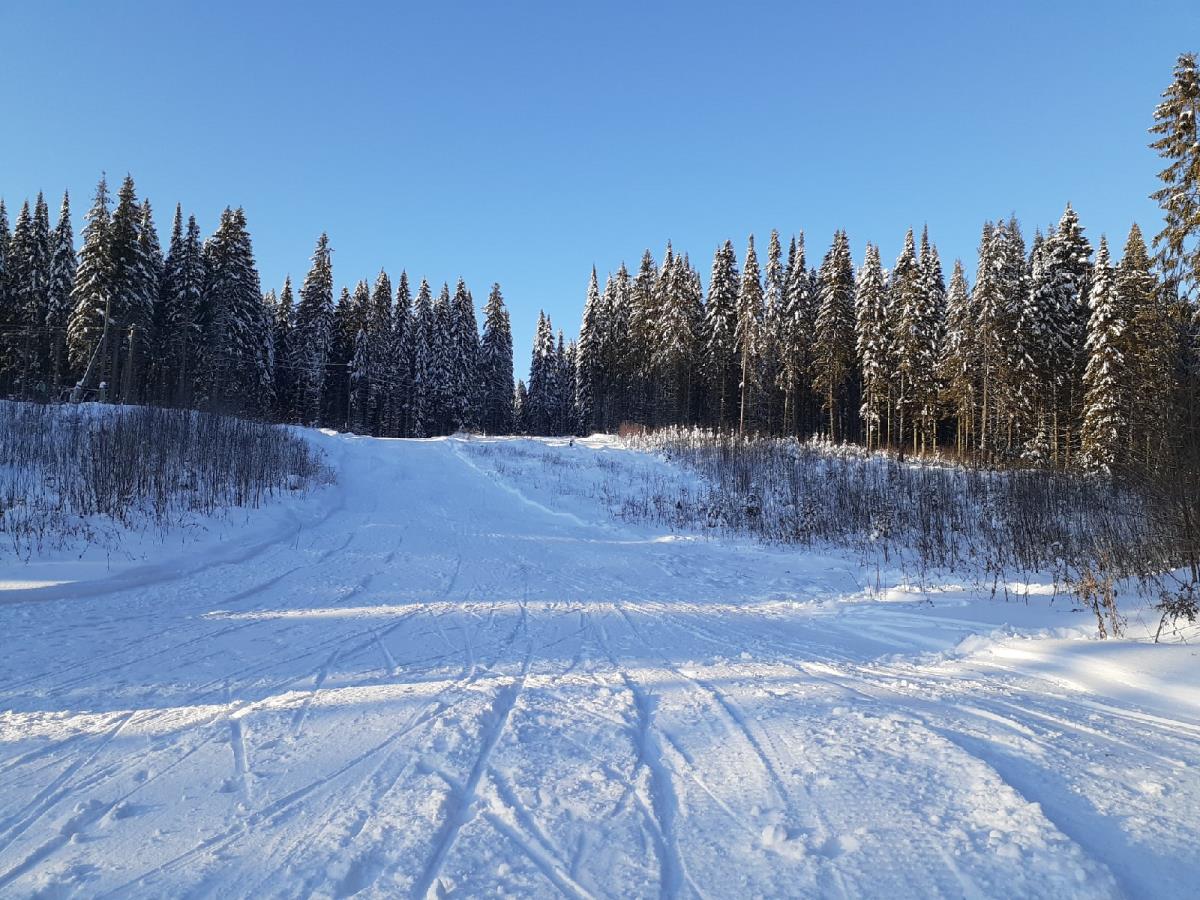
523	142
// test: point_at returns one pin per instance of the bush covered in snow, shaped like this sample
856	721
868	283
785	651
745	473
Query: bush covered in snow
68	471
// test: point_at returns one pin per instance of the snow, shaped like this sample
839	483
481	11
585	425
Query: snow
459	670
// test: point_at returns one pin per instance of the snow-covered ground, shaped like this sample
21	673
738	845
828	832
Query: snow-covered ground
455	672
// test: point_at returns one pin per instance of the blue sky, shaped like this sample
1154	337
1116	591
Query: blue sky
523	142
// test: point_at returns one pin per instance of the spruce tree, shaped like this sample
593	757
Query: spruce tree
62	283
1102	437
590	367
1177	124
747	337
871	305
314	335
283	325
496	367
1149	348
360	384
399	420
833	360
463	367
421	329
957	360
795	336
720	335
382	374
772	337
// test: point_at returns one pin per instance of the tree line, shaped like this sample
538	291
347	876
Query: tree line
1052	353
122	321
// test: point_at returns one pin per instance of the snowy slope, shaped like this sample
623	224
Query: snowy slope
454	675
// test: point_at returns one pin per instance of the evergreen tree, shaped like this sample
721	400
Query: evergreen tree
1102	438
381	375
539	406
421	328
957	360
795	337
399	420
748	334
771	342
833	339
464	362
720	335
589	374
283	323
497	415
7	312
520	408
906	337
1148	347
360	384
1177	124
314	334
58	305
674	354
871	305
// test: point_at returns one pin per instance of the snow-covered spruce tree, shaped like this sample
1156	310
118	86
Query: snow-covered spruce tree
314	335
152	265
421	326
1177	126
539	404
496	367
771	338
441	374
399	410
1149	347
589	396
638	356
932	332
833	362
957	360
795	337
16	336
58	300
520	408
349	317
997	305
720	336
617	292
7	312
1069	260
1103	435
747	337
675	352
182	317
236	330
283	340
381	374
464	362
132	309
360	385
567	414
871	305
904	334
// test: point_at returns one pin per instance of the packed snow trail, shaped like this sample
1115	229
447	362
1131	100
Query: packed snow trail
450	684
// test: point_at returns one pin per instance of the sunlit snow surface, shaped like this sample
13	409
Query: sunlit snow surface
456	672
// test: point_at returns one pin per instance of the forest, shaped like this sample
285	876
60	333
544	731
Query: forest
1053	352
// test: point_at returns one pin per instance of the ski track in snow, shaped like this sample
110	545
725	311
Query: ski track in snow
455	679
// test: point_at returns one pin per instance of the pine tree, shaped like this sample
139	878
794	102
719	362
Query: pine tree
62	283
833	339
1103	436
871	305
314	334
720	334
1177	124
748	334
496	367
